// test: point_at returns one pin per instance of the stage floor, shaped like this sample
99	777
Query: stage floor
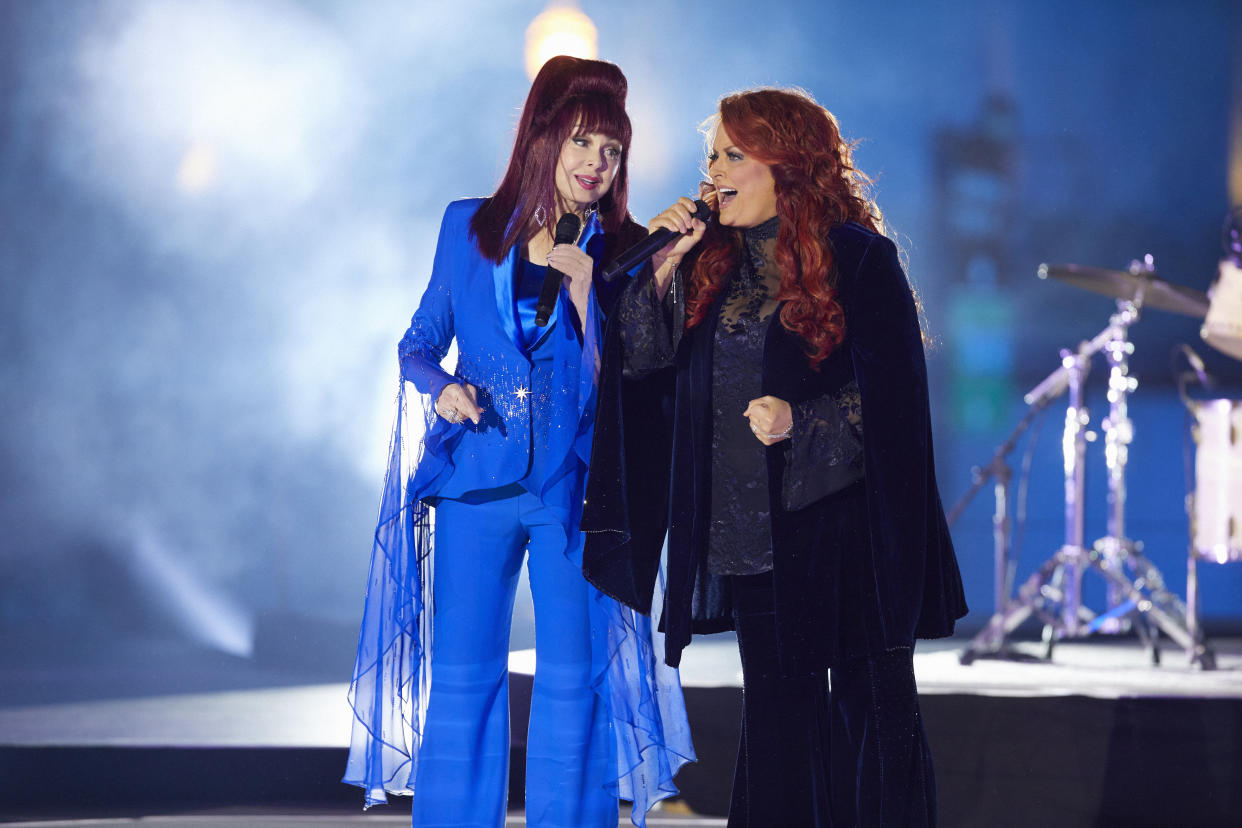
318	715
255	820
1081	740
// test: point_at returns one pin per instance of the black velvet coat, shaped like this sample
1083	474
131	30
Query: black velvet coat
838	593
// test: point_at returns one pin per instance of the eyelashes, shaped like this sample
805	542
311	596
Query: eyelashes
613	152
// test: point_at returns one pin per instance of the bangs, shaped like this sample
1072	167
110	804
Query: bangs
602	114
707	128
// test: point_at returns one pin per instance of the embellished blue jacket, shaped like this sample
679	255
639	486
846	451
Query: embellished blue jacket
471	298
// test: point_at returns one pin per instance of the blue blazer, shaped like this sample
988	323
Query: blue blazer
470	299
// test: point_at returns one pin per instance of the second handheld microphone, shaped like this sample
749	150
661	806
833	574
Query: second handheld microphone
655	240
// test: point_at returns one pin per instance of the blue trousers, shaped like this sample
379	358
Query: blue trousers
462	774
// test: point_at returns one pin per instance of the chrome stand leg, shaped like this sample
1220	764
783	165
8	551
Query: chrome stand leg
1201	655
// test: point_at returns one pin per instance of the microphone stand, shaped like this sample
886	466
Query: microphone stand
999	471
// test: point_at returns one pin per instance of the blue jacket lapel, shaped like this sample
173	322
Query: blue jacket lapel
502	277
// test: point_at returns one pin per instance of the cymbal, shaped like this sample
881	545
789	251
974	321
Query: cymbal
1120	284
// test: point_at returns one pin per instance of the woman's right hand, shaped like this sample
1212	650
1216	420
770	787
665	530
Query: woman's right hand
459	401
679	218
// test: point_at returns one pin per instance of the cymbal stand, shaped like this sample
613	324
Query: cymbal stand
1135	588
1054	592
1118	433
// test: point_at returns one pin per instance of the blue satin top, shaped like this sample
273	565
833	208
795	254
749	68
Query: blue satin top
526	297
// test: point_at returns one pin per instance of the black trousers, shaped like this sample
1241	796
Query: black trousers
820	750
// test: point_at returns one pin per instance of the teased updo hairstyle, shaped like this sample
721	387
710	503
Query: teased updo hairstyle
817	187
570	95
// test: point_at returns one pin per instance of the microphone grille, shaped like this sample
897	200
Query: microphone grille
567	228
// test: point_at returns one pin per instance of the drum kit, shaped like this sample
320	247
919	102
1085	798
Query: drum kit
1136	596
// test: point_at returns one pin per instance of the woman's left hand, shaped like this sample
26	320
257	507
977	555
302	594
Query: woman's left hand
575	264
577	267
771	419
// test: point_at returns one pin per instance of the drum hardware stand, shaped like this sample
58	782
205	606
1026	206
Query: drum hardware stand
1114	548
1054	592
1058	580
1000	473
1203	654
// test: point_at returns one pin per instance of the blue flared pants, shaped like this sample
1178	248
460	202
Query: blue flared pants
462	774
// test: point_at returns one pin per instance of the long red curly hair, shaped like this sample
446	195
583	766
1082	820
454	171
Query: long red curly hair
817	187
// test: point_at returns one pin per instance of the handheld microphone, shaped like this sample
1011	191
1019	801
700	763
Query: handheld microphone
655	240
566	233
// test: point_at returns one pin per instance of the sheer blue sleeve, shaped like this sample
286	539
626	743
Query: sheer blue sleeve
427	340
648	713
392	669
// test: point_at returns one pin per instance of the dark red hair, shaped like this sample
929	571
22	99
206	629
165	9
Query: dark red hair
569	96
817	187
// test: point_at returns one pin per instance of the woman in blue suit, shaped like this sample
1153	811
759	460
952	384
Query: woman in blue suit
502	465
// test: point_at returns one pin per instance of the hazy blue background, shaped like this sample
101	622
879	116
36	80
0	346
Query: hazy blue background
198	372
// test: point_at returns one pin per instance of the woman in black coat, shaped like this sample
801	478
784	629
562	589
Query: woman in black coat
776	358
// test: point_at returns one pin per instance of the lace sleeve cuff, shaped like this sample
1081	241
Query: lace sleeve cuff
649	325
824	452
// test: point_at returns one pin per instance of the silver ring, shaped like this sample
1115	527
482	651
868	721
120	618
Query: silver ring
453	417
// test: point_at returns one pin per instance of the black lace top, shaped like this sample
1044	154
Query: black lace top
824	452
740	536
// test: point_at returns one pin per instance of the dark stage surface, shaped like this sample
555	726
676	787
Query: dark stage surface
1097	737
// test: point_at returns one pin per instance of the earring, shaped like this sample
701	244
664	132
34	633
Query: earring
541	215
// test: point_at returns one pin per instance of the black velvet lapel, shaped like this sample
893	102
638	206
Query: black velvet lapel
626	510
